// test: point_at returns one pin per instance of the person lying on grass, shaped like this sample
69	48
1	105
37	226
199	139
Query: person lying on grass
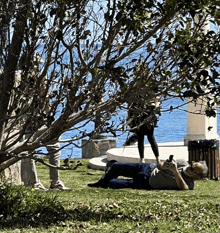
173	174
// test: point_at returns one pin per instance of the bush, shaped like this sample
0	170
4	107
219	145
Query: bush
21	206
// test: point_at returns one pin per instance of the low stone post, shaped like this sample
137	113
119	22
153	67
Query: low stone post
13	173
97	147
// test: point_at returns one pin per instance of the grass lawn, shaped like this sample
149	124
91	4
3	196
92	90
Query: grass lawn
125	210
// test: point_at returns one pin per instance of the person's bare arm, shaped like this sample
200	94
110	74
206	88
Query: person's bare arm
161	165
179	179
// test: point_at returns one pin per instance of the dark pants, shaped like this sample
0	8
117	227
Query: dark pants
145	129
139	172
141	132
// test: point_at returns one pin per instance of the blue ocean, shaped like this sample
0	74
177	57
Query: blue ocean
171	128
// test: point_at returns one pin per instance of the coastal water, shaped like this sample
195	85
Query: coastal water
171	128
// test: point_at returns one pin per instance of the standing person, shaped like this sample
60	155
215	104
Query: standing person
144	119
28	167
29	172
168	175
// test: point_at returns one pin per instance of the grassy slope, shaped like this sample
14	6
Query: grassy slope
127	210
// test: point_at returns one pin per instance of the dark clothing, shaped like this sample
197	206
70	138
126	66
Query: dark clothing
144	176
146	118
143	120
140	172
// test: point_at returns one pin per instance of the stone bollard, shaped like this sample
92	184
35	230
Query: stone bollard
13	173
97	147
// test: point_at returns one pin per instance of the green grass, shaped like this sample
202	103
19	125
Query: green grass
105	210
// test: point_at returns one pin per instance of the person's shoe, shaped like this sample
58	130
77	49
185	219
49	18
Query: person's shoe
100	184
58	185
39	186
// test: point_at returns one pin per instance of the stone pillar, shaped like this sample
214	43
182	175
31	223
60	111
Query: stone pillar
199	126
13	173
97	147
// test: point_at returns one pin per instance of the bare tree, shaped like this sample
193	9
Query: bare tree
98	58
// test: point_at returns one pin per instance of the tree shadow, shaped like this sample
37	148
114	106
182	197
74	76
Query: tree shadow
47	217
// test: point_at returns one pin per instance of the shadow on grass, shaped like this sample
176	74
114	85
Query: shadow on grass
48	216
53	216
